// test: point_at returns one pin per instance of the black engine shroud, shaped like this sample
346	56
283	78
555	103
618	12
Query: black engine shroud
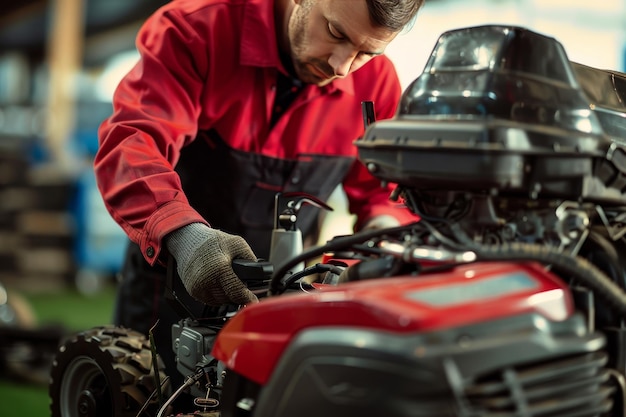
501	109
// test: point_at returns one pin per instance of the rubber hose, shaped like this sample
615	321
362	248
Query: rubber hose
563	265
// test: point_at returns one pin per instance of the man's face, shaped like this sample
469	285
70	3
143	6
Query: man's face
331	38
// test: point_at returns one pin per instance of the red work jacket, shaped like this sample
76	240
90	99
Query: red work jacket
207	72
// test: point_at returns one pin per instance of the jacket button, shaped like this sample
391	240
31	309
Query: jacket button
295	179
150	251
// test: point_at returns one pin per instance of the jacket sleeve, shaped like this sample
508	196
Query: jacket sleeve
367	203
155	111
367	197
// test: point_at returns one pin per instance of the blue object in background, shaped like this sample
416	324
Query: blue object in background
100	241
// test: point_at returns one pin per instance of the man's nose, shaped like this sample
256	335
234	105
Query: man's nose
341	60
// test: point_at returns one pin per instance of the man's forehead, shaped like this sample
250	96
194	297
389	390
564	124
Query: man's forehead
352	19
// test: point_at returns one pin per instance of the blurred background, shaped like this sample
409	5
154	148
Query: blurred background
59	63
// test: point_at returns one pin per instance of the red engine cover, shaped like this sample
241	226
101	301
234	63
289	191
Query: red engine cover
253	340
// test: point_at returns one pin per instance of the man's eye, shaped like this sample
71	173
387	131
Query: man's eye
333	32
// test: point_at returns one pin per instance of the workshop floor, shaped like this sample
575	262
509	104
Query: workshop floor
73	311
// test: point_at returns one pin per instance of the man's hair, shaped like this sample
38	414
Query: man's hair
394	15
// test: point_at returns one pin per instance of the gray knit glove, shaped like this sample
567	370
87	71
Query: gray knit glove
204	259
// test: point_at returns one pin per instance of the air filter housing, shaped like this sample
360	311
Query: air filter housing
502	108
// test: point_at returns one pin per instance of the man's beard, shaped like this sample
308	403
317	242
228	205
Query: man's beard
314	71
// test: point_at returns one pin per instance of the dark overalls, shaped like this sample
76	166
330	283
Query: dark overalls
235	192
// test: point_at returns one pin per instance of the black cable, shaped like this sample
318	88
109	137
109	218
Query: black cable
314	269
335	244
152	395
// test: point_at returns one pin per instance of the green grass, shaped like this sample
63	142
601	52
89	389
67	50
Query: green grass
72	309
74	312
20	399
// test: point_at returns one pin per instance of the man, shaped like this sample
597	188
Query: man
231	102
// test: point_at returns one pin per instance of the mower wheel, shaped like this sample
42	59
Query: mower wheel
105	371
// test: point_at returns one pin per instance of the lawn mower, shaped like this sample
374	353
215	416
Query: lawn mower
505	299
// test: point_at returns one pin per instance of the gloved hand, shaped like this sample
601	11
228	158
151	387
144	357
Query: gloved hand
204	259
